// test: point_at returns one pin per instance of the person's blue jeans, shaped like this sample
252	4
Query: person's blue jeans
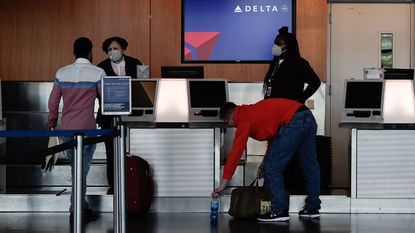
298	136
87	153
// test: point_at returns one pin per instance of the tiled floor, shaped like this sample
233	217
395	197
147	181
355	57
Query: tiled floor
199	223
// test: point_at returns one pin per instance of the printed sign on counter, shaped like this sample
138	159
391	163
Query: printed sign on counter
116	95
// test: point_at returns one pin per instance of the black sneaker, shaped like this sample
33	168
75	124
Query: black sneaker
271	217
309	213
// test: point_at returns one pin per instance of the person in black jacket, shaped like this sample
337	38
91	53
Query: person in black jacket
117	64
289	76
289	72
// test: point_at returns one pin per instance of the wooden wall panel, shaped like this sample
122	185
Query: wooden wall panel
312	35
36	36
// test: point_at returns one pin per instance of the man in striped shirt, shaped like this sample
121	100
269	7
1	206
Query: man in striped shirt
78	85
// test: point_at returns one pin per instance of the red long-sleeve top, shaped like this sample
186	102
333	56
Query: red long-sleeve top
260	121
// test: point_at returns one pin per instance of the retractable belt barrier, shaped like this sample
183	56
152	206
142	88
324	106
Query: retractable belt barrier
91	137
52	133
85	137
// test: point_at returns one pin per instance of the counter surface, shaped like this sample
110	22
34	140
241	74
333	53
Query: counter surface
355	125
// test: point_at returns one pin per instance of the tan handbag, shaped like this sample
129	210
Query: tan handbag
250	201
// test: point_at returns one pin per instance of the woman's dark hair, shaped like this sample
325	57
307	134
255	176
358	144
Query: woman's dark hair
290	40
121	41
226	110
82	47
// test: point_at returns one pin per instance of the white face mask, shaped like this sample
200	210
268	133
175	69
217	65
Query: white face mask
276	50
115	55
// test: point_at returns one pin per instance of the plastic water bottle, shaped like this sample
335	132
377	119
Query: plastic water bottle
214	207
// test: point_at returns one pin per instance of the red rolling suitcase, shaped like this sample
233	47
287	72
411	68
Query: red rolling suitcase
139	185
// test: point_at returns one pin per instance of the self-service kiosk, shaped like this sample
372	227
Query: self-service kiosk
175	127
387	99
143	101
205	99
363	101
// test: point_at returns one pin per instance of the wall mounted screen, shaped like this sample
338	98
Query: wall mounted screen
370	1
233	30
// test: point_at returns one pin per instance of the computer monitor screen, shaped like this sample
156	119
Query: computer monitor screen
143	93
365	95
193	72
207	94
407	74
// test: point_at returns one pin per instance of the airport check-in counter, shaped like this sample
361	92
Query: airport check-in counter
187	152
182	143
186	155
382	150
185	171
185	161
25	107
26	187
382	167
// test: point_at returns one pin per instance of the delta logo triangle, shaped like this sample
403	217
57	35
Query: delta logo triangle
238	9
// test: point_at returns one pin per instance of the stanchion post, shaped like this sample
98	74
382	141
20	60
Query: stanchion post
119	180
116	206
77	184
121	170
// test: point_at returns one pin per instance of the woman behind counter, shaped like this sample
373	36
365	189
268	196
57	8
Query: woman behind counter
117	64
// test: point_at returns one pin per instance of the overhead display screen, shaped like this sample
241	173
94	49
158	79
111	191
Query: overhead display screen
233	30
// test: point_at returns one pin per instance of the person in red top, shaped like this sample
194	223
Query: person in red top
289	127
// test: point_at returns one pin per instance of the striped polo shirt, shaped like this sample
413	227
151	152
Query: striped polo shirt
78	85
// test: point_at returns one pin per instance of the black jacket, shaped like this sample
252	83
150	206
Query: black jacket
287	79
130	70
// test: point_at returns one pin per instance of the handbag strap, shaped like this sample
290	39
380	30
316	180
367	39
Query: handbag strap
254	182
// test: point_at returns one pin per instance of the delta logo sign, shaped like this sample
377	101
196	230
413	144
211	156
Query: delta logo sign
199	45
261	9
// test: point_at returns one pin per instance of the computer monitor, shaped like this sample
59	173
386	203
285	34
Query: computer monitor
143	98
401	74
363	101
205	99
194	72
